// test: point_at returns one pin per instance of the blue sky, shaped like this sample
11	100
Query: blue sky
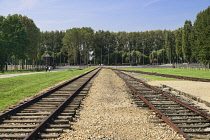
112	15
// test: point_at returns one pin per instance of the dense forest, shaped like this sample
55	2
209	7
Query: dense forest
22	42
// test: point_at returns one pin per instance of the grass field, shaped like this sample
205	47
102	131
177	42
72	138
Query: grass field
16	88
181	72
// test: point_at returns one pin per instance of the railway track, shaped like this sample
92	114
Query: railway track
181	114
169	76
47	115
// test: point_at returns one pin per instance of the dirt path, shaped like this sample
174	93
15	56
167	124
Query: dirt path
198	89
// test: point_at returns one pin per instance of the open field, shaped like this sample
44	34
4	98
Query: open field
181	72
16	88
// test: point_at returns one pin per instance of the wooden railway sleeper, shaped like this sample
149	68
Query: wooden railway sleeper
58	121
160	115
58	110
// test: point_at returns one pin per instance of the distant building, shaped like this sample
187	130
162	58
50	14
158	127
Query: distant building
48	60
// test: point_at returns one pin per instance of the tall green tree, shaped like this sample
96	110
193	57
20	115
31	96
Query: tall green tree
15	36
58	44
99	47
202	36
170	46
68	47
2	45
122	45
33	35
186	41
51	43
86	43
78	43
178	40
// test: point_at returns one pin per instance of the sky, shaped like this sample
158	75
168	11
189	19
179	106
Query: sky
111	15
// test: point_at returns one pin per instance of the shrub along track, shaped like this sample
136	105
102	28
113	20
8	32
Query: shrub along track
169	76
48	114
183	116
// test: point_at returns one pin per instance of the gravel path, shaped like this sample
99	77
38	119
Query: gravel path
198	89
109	113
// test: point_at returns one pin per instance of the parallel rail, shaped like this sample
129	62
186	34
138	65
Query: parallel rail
183	116
46	114
169	76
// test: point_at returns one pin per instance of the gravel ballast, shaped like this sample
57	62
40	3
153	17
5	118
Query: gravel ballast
198	89
109	113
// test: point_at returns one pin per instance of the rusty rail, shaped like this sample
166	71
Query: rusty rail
172	98
169	76
158	113
40	127
14	110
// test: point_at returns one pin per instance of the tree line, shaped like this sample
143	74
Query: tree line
21	41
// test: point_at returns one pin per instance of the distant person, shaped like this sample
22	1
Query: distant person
46	68
49	68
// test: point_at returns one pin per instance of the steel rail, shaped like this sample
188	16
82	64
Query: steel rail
44	123
158	113
16	109
172	98
169	76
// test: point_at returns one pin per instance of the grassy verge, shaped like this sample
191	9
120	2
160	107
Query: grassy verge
180	72
16	88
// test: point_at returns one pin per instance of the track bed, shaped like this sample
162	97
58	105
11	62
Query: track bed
182	115
48	114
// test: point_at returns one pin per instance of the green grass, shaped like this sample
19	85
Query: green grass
181	72
16	88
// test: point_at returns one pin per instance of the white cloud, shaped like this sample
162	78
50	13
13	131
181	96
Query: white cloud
27	4
16	6
150	3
